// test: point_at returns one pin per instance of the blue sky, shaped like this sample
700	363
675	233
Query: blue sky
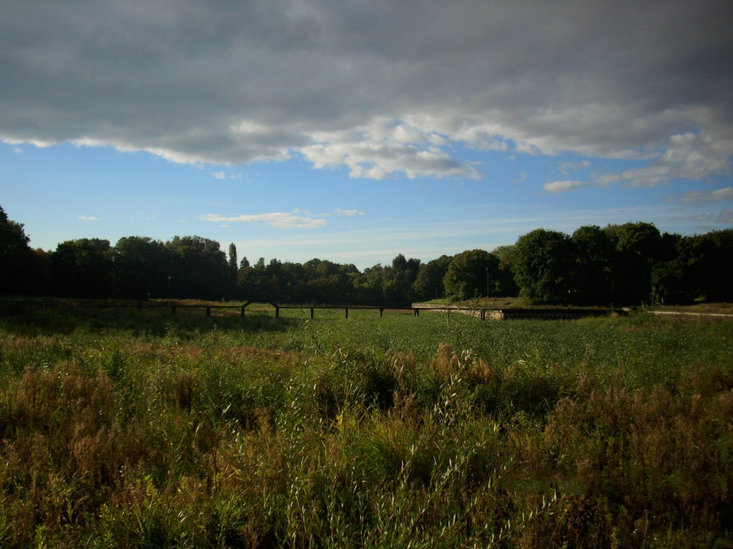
296	130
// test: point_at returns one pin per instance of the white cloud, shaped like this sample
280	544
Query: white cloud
223	176
726	193
568	167
719	195
521	178
376	88
348	213
689	156
557	187
711	220
382	149
282	220
88	218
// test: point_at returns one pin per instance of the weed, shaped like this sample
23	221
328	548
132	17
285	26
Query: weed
138	428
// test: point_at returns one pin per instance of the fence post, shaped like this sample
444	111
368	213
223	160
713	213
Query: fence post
208	311
347	311
277	311
381	311
311	313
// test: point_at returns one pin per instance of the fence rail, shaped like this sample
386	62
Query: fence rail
415	309
482	313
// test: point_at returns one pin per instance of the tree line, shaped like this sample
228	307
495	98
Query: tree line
619	264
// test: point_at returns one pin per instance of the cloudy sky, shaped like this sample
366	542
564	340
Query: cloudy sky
353	131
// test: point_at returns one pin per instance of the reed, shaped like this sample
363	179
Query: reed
127	428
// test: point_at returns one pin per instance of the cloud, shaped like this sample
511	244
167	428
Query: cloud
223	176
348	213
726	193
688	156
568	167
711	220
378	89
282	220
384	148
521	178
557	187
88	218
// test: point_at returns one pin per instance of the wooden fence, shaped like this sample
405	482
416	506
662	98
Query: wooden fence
483	314
415	309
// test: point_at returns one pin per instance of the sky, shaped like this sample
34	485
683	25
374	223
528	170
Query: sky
354	131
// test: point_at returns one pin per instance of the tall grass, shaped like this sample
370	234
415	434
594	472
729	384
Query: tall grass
137	428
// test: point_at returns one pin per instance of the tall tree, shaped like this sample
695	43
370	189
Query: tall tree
705	261
638	248
429	281
198	269
233	270
15	257
543	263
83	268
470	274
506	285
591	272
141	267
233	265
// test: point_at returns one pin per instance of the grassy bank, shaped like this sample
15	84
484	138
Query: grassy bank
140	428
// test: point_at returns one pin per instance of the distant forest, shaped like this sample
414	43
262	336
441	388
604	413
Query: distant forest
624	264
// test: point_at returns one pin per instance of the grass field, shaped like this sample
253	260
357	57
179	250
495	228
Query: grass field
138	428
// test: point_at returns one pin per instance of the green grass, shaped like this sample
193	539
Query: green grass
125	427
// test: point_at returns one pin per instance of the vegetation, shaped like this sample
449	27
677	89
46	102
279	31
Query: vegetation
625	264
136	428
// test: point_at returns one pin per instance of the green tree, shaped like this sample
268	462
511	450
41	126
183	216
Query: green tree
233	269
470	274
505	284
638	247
83	268
140	268
591	272
705	261
198	269
398	280
429	281
15	257
233	265
369	286
543	263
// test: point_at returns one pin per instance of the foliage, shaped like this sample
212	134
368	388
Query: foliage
141	268
592	269
638	248
621	264
470	274
82	268
429	281
199	269
15	256
506	285
543	266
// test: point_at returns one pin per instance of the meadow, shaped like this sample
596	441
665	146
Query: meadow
138	428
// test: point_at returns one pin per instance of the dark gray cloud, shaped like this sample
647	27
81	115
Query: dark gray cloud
380	87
